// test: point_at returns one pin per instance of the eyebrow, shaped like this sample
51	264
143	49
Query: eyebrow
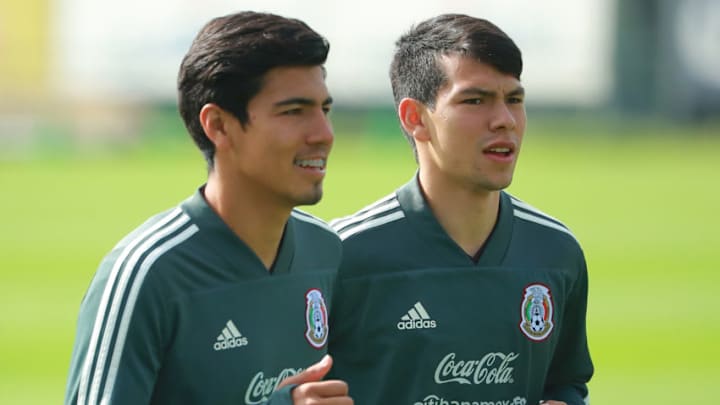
302	101
477	91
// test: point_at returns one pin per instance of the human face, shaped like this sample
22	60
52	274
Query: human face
281	154
476	128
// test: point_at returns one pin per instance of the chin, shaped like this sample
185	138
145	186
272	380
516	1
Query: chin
503	183
310	198
496	185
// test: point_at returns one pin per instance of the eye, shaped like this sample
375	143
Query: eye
326	109
292	111
515	100
473	101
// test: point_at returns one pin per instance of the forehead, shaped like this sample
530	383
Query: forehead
293	81
464	72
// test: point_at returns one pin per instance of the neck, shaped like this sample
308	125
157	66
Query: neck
468	216
256	222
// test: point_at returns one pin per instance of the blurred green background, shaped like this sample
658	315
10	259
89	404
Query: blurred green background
624	129
641	198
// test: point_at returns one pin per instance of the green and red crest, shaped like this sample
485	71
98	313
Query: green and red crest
316	319
536	312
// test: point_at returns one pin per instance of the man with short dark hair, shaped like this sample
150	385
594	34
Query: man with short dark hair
452	291
224	298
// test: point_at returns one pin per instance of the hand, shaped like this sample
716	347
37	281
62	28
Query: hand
311	390
551	402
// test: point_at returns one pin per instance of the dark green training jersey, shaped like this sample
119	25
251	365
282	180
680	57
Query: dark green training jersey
416	321
181	311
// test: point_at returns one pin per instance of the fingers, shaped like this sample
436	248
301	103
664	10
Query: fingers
311	390
323	392
316	372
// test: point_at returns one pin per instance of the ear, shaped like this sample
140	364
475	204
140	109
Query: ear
410	112
214	121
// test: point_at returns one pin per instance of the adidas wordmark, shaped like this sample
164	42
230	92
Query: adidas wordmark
416	318
230	338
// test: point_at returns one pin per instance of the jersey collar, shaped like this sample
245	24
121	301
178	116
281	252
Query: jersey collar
418	212
229	246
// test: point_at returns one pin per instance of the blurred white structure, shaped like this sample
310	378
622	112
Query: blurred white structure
131	50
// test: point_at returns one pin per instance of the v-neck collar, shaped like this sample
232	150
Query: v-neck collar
286	250
418	212
234	250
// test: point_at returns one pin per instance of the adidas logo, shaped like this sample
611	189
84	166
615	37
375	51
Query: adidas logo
416	318
230	338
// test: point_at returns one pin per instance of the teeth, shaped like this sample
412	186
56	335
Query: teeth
500	150
314	163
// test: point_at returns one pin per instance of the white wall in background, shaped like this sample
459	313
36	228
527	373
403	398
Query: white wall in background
130	50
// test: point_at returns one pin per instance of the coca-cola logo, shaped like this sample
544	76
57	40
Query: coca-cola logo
261	388
493	368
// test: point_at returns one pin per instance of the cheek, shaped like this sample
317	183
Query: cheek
463	131
520	118
520	127
276	139
263	149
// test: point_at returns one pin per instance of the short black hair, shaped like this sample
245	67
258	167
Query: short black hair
229	58
415	71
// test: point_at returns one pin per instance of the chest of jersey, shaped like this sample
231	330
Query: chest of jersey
471	335
239	341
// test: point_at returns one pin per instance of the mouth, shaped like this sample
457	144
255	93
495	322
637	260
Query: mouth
501	150
313	164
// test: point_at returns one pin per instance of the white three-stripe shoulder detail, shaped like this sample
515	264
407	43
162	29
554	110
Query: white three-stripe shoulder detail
528	207
339	221
352	230
130	306
102	307
108	312
377	209
542	221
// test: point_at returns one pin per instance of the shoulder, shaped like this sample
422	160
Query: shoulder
535	230
374	238
127	276
308	225
164	228
148	247
307	219
369	220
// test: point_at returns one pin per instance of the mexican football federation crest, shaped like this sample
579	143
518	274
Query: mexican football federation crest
316	319
536	312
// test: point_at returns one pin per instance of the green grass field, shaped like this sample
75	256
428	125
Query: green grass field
643	206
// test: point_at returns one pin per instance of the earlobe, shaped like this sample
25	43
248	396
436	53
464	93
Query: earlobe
213	123
410	113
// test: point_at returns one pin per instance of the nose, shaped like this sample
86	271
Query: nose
503	117
321	131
